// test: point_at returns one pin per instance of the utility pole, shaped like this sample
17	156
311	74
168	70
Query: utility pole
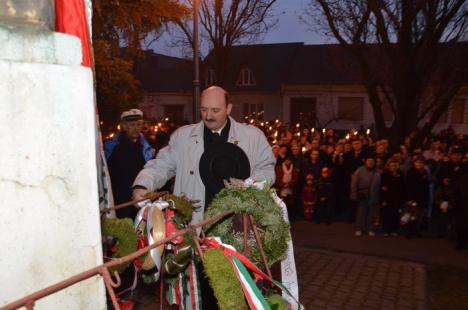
196	64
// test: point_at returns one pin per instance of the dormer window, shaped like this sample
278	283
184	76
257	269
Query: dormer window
246	77
210	77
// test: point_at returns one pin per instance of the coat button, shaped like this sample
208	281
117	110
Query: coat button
191	171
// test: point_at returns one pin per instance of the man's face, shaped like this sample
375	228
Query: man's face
314	155
347	147
132	128
380	149
370	163
283	151
295	149
456	157
213	108
392	166
315	144
418	164
275	151
357	146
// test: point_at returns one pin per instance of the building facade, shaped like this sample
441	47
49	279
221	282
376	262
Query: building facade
293	82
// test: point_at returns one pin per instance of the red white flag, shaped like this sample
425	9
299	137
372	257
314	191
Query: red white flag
70	18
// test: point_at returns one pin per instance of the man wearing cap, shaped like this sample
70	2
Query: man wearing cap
126	154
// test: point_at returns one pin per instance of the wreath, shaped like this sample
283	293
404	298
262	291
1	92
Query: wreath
274	231
125	238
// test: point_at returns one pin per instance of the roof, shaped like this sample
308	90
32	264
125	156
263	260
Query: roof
328	64
161	73
270	63
273	65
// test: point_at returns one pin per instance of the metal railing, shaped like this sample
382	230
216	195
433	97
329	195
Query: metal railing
103	270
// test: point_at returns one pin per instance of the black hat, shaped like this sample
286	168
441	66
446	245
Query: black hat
223	161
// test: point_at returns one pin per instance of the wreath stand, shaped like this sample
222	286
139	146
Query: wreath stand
248	224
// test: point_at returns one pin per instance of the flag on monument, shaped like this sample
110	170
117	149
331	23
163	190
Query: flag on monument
70	18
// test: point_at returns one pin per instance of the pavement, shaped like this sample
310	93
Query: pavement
337	270
339	237
331	280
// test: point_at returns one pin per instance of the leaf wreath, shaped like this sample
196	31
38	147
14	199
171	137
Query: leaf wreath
274	231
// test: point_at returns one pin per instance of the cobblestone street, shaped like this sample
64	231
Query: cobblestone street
333	280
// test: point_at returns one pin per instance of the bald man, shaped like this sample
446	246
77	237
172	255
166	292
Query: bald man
182	156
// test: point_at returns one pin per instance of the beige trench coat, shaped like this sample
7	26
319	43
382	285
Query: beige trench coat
182	156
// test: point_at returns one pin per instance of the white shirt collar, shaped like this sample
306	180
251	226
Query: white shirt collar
220	129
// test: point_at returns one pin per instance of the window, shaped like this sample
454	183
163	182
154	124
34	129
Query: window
351	108
210	77
246	77
458	111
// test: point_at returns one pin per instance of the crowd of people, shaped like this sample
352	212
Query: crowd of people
323	177
404	190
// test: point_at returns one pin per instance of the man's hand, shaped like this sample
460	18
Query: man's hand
233	182
139	193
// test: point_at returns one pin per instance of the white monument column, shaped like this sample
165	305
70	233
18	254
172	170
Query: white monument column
49	213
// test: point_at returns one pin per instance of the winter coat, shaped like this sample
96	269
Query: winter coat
365	185
110	145
392	189
324	192
181	158
125	159
417	186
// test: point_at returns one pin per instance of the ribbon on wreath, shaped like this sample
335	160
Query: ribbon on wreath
241	265
154	230
288	265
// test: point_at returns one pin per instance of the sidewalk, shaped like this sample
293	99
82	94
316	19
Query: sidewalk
331	280
337	270
340	237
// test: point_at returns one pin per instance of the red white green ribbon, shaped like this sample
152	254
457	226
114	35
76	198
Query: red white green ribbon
251	292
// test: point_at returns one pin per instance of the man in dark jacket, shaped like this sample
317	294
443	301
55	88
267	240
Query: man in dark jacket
126	154
324	194
417	189
461	210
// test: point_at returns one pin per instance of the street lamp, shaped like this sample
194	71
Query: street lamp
196	64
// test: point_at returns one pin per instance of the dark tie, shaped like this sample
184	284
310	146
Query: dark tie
216	137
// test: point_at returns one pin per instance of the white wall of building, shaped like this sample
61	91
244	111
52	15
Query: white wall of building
327	98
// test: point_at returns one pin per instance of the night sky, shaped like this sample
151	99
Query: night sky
288	29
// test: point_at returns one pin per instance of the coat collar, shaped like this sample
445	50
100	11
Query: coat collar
197	132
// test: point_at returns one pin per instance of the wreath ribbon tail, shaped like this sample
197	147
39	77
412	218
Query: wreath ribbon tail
253	295
230	251
185	290
288	265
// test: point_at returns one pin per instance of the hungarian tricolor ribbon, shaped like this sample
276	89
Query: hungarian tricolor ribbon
240	264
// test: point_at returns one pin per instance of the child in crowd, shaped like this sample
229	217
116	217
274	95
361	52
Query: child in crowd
308	197
324	204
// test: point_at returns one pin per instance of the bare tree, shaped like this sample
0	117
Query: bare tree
227	23
409	53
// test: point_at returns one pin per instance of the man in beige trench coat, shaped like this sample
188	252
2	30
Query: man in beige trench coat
182	156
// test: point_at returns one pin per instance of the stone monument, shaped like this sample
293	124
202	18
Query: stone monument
49	213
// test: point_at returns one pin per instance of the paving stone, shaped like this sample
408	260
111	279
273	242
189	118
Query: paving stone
319	302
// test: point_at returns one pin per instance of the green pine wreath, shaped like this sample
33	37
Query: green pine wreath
122	230
274	231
